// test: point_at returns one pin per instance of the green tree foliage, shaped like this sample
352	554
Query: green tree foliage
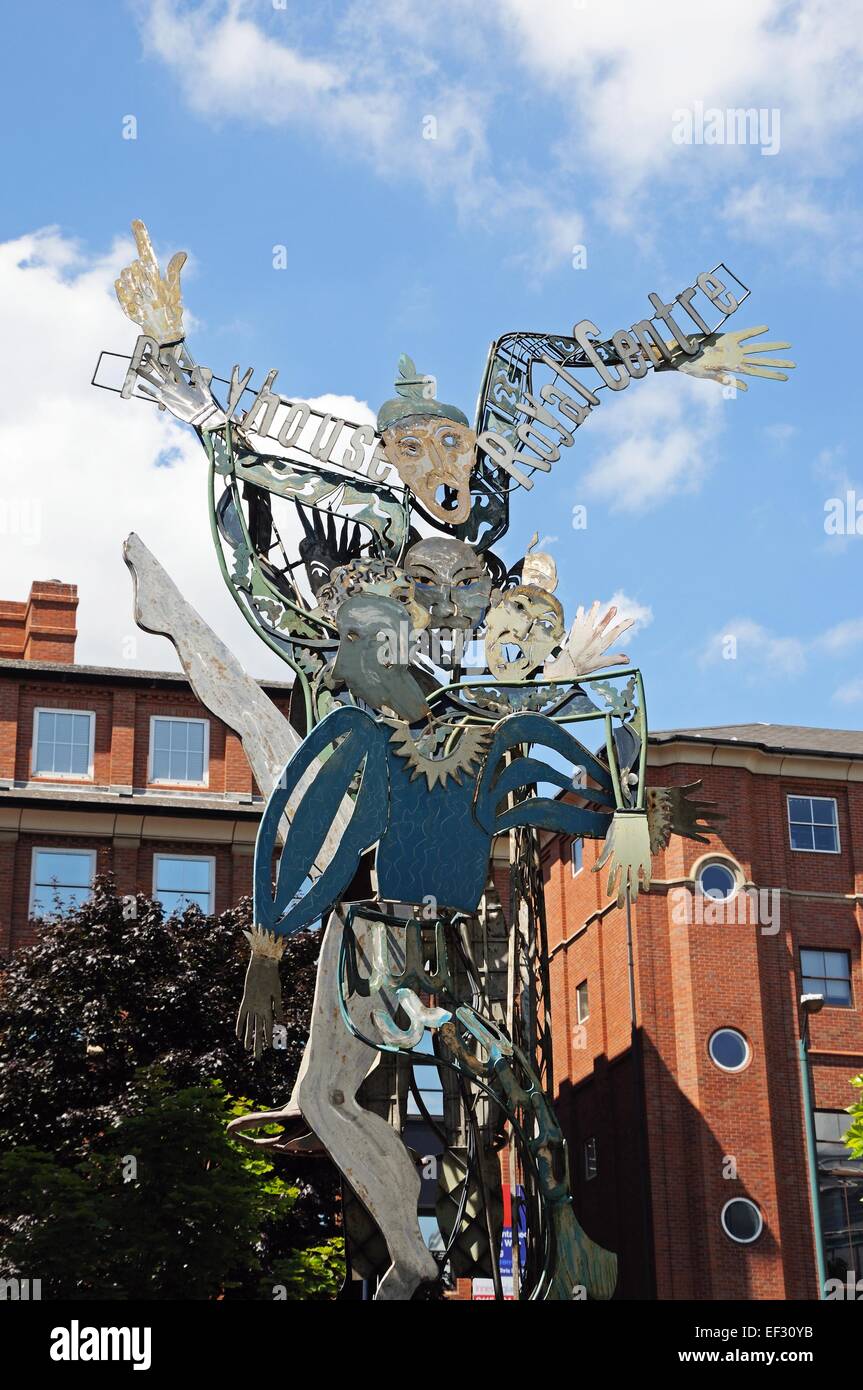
117	1038
164	1207
854	1136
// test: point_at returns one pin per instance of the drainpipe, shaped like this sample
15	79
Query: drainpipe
811	1004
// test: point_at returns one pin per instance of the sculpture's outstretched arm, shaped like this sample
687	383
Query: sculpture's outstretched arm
212	670
531	728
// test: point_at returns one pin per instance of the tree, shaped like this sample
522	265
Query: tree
854	1135
166	1206
114	1025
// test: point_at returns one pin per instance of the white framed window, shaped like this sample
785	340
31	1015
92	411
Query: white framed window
582	1002
60	879
577	855
183	880
63	742
717	880
741	1220
729	1049
827	973
813	824
179	751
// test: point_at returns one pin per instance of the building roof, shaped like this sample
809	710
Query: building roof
772	738
109	674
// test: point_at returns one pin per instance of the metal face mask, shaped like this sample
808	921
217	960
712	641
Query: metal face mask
430	453
527	620
369	576
450	581
374	655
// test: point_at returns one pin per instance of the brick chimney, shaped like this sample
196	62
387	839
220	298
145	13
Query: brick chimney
43	628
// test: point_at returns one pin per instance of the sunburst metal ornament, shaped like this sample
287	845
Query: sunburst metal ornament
468	752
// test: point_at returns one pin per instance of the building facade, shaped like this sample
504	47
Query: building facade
114	770
677	1067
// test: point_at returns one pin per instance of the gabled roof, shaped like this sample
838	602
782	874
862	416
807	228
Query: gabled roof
772	738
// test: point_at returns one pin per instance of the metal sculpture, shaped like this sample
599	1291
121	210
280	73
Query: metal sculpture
364	558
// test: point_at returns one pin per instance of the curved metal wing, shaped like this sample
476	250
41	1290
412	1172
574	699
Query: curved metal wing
360	753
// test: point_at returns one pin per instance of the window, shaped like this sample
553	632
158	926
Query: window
827	973
577	852
179	882
582	1002
63	743
179	750
61	878
717	880
813	824
728	1049
840	1186
831	1126
741	1220
590	1163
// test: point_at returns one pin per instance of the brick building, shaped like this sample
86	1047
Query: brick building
688	1150
104	769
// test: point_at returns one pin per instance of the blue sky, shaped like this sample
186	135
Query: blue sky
303	126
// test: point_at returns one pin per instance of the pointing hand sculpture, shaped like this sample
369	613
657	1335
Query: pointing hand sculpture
151	300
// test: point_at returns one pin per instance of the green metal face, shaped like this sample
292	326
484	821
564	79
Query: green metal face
451	582
373	655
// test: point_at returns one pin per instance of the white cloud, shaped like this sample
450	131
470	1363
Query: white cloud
851	693
657	439
363	99
746	641
81	466
627	607
762	211
626	67
810	228
616	70
781	433
843	635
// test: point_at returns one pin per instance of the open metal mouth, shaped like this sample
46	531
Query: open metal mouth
512	652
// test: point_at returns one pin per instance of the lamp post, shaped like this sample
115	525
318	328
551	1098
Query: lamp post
811	1004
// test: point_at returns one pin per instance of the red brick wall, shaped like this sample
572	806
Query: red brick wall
122	733
131	864
691	979
43	627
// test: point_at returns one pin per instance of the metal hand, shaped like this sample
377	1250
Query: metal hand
261	1006
670	811
584	645
627	853
187	398
152	301
721	357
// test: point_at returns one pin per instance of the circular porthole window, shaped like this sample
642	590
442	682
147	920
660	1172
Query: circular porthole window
728	1049
718	881
741	1220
